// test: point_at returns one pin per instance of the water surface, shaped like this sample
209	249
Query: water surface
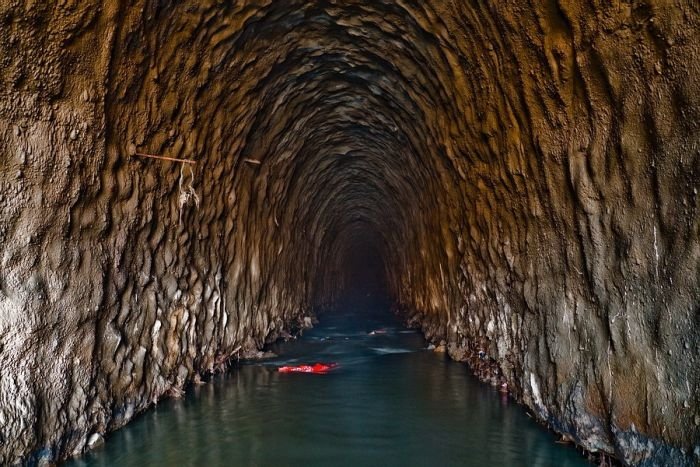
390	403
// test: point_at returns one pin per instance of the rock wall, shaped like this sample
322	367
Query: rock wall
528	172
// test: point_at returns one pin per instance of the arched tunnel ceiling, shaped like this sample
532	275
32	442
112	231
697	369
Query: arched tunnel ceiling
342	112
528	172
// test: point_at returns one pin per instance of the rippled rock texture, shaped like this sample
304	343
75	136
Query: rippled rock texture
528	173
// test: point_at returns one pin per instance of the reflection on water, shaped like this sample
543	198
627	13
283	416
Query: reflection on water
390	403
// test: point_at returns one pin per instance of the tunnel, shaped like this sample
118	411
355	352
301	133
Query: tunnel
184	182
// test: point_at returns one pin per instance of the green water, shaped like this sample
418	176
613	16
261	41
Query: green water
391	402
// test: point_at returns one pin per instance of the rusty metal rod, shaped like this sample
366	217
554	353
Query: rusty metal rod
164	158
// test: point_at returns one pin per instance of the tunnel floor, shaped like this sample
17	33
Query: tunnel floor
391	401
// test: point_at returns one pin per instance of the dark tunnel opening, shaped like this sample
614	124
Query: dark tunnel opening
356	266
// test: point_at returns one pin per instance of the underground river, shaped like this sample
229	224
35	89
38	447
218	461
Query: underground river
390	402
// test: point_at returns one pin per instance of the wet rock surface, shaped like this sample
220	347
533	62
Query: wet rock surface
528	174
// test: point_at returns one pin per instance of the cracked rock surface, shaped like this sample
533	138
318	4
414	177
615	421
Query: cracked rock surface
528	173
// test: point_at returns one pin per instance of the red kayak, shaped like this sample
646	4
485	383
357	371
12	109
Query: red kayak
318	368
